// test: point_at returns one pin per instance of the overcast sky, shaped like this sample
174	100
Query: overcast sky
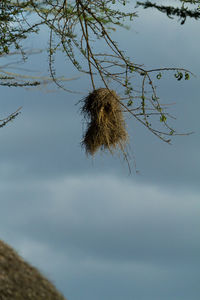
92	228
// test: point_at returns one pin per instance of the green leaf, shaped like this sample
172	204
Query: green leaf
154	98
163	118
187	76
132	69
178	76
159	75
130	102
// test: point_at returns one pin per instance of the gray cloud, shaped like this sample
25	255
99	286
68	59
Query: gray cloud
117	211
104	230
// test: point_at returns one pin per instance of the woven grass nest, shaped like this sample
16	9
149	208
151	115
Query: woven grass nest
105	122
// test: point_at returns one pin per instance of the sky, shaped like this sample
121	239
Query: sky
96	231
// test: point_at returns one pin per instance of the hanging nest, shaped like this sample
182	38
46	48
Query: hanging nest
106	125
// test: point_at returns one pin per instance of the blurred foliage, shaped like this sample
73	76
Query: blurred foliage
182	12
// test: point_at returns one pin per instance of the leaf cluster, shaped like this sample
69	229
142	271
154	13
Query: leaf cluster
13	25
182	12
